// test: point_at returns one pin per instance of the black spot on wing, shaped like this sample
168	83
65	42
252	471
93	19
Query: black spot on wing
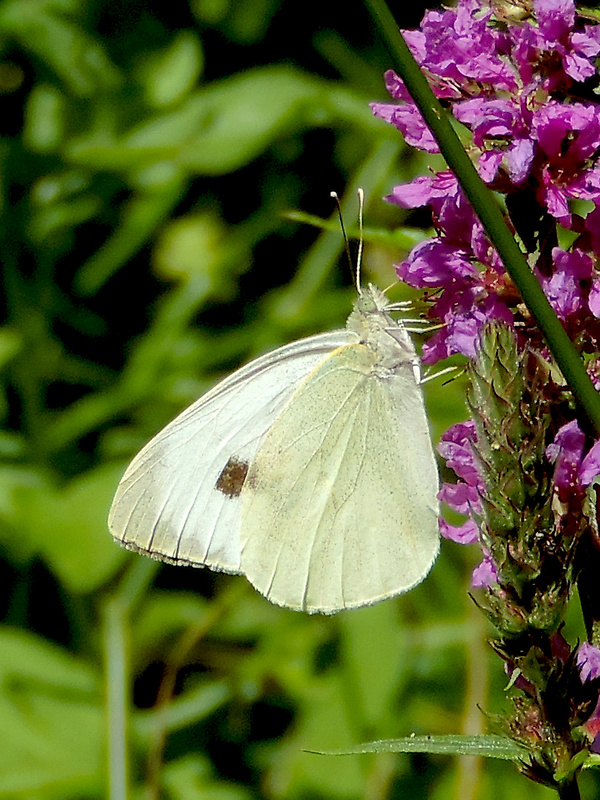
232	477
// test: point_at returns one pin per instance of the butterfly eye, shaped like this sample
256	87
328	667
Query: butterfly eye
366	303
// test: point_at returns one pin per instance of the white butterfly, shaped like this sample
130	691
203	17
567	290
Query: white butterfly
310	471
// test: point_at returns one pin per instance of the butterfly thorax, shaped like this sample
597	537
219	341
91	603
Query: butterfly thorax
383	335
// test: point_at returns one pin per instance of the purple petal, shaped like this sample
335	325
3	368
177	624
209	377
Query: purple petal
463	328
395	86
467	533
590	466
484	575
556	18
564	287
519	158
456	449
433	263
587	41
566	451
409	121
594	298
556	200
459	497
588	661
578	67
568	443
487	117
424	190
489	164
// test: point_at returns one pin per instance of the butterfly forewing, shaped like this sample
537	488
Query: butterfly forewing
179	498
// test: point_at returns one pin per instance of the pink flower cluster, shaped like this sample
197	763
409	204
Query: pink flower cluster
508	82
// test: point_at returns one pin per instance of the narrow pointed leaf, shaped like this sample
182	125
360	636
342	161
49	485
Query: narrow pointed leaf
489	746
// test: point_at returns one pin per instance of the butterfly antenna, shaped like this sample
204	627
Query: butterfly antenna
343	227
361	208
361	204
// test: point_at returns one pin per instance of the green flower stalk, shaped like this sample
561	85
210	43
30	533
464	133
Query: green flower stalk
517	521
533	560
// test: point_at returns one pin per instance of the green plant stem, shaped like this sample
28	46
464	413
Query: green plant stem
489	212
220	607
115	629
115	656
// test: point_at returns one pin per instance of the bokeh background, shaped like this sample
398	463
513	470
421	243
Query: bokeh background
157	161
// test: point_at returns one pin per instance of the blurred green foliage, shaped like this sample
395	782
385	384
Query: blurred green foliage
149	155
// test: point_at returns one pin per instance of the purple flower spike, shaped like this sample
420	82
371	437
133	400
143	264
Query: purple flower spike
520	78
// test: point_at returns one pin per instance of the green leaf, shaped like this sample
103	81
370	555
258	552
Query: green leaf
202	135
79	60
187	709
593	760
190	778
10	344
45	119
51	721
171	73
68	528
489	746
164	616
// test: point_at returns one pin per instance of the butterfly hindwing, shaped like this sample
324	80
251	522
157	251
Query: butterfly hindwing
339	507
